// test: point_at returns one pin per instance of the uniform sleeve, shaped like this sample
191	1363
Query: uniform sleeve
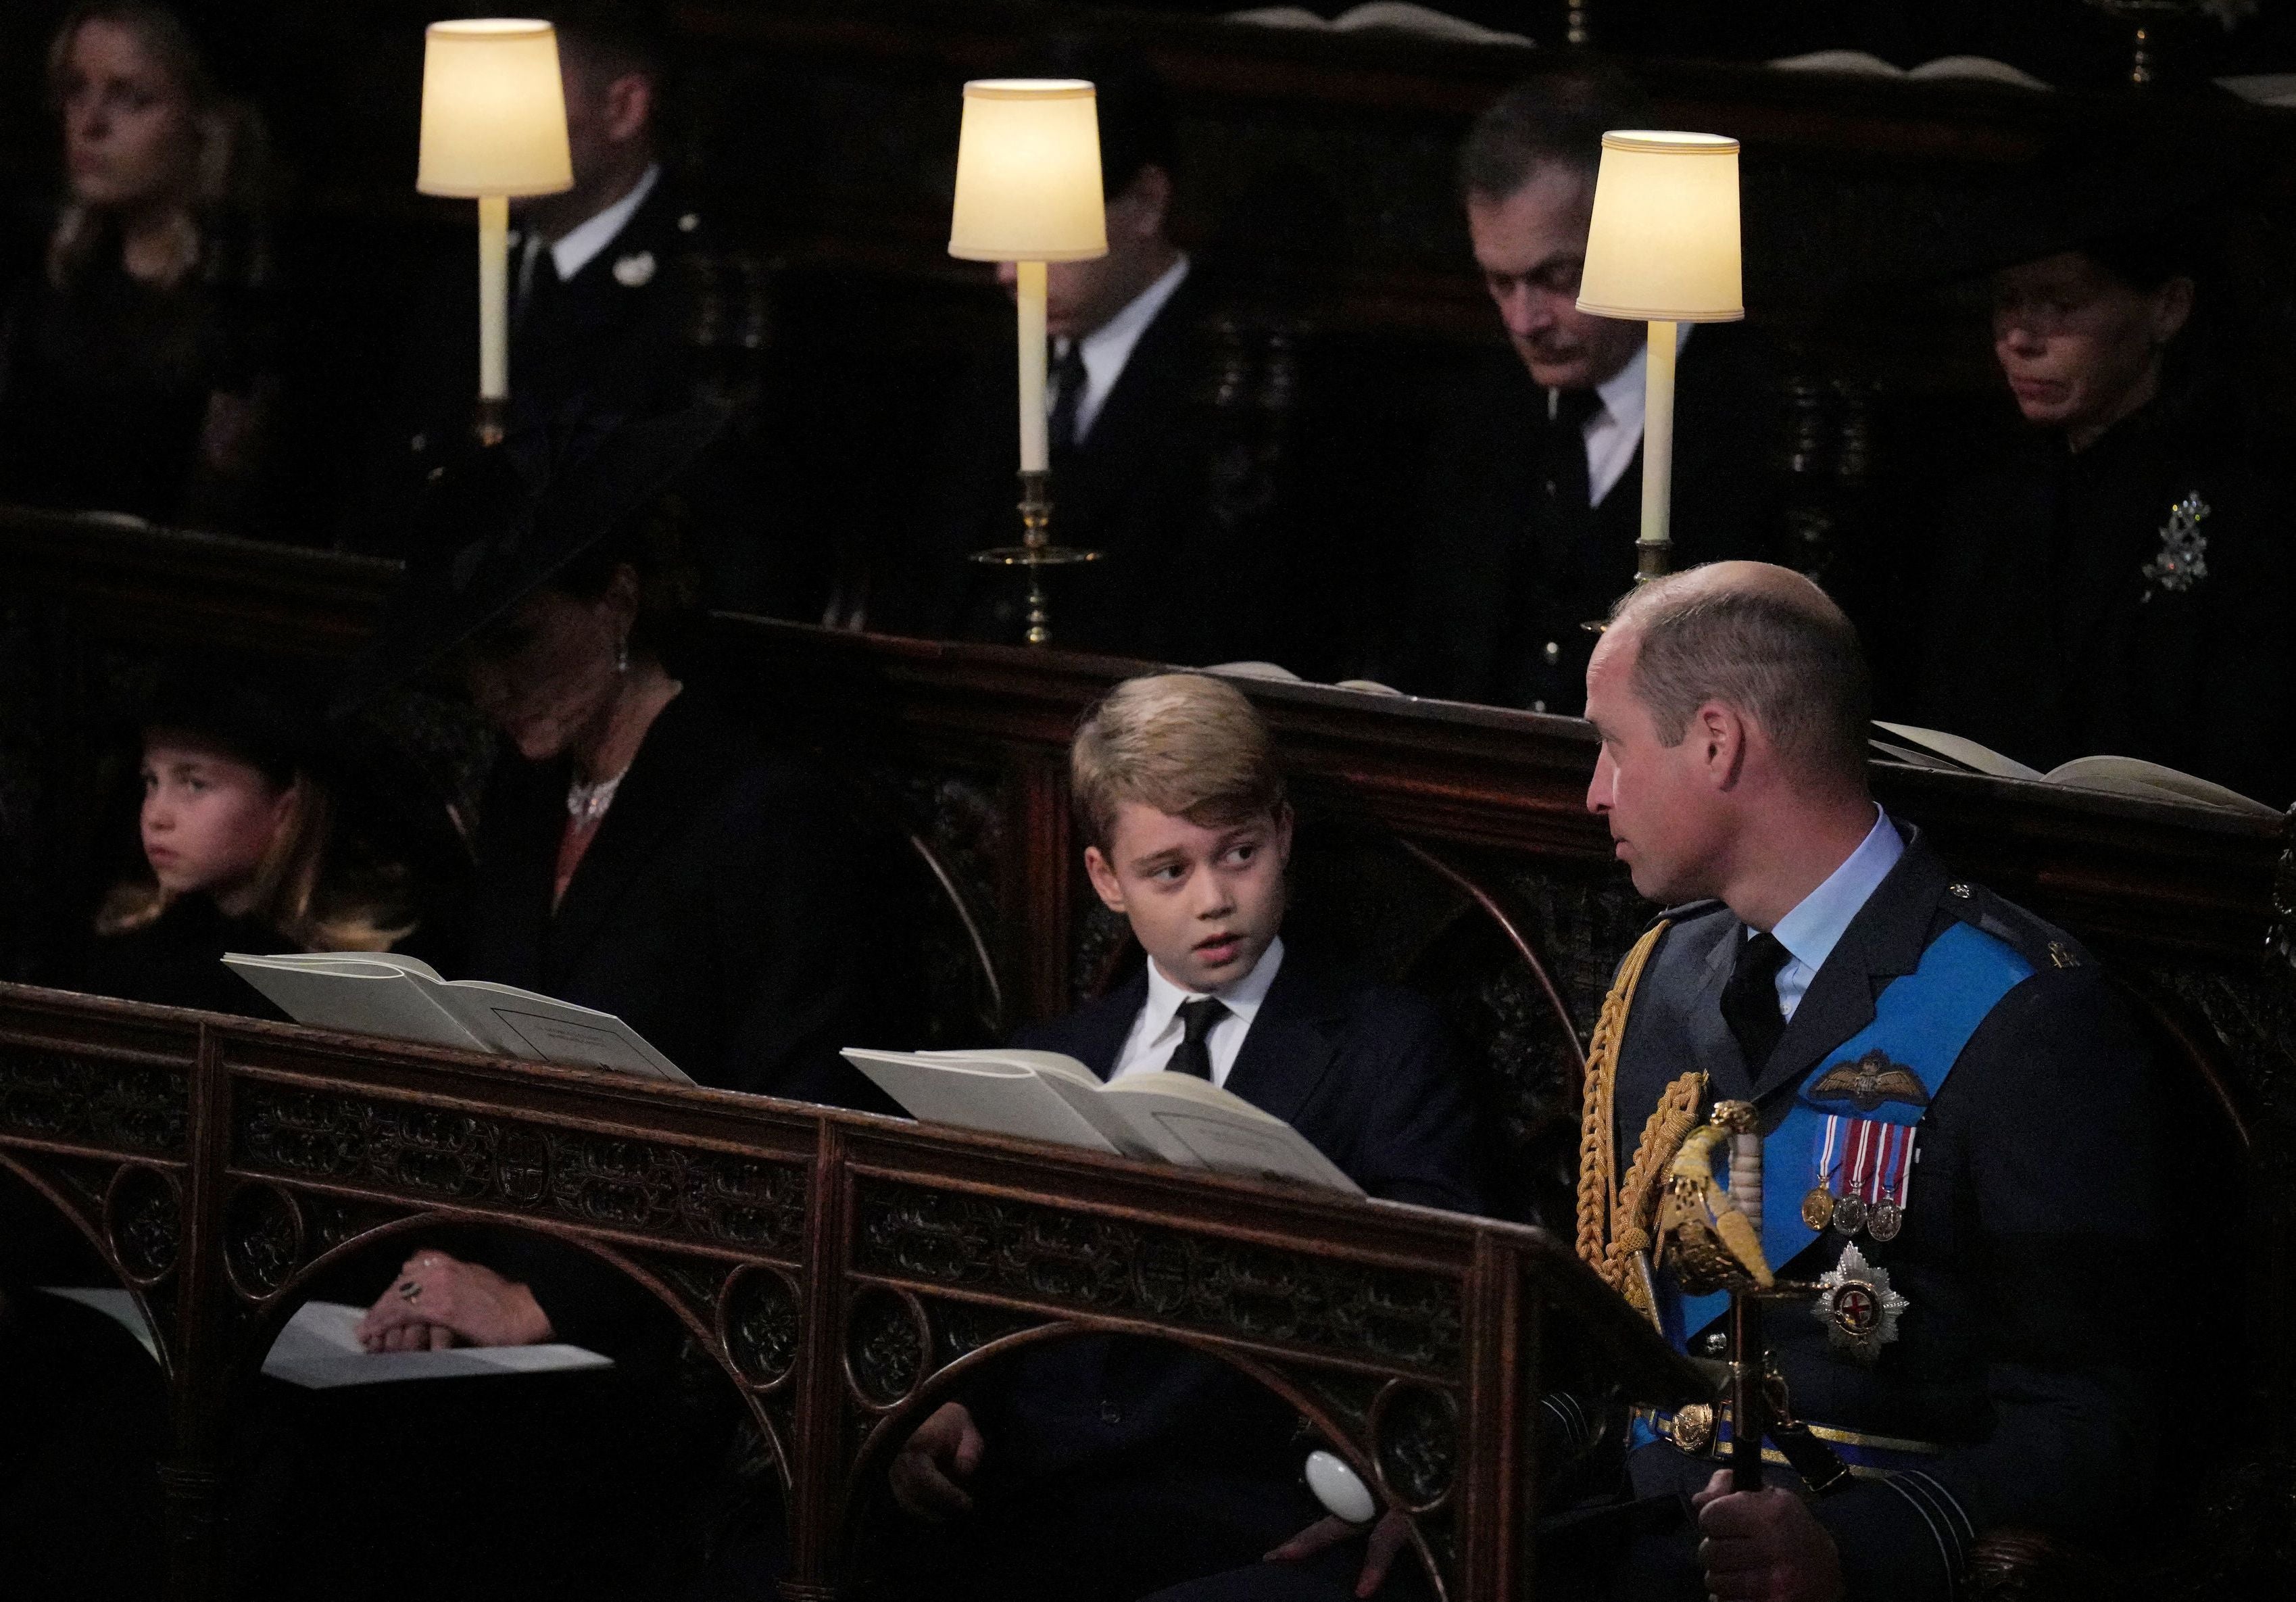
2052	1182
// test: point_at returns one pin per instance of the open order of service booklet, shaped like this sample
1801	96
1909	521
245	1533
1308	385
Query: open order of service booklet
2120	776
402	998
1044	1095
318	1349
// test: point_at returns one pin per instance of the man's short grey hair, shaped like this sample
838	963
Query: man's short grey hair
1558	119
1789	662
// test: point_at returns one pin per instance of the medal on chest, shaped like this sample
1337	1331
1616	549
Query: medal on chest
1857	1307
1862	1177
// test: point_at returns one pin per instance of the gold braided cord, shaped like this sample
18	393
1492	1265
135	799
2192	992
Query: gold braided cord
1598	1145
1614	1221
1669	1126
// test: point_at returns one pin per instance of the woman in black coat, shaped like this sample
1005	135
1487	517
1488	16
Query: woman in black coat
642	851
2120	583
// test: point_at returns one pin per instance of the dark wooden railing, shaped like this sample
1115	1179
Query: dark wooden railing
843	1270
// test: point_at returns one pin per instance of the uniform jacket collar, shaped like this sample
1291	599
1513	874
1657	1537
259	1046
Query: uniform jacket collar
1884	940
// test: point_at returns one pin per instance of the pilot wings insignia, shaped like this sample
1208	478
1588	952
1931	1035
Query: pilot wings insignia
1869	1082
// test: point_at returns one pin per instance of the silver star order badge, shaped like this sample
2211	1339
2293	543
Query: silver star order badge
2183	560
1857	1307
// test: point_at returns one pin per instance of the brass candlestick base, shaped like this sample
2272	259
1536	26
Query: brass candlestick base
1037	552
490	419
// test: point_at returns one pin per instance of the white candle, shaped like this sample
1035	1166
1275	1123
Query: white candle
494	298
1031	287
1658	442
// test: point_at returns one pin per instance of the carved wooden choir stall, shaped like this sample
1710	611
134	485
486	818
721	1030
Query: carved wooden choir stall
845	1270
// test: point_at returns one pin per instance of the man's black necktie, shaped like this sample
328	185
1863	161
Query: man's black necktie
1192	1055
1749	1001
1068	397
1567	482
540	288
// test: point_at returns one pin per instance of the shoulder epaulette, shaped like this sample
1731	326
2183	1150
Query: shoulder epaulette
2036	939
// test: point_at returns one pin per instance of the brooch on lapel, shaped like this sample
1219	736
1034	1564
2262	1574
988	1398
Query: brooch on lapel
1857	1307
2183	560
635	271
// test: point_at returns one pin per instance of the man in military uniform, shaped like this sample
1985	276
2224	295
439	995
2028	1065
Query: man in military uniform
1952	1102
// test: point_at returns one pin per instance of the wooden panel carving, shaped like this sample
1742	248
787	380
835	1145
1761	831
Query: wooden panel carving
1119	1268
443	1155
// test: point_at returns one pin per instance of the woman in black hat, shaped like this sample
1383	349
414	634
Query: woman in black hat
642	851
137	372
2118	584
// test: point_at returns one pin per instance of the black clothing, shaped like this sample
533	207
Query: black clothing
717	911
2034	1199
616	341
105	385
1511	563
1191	523
1117	1466
2046	639
83	1428
176	960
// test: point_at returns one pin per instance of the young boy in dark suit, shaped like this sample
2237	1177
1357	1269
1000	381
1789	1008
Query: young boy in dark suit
1109	1469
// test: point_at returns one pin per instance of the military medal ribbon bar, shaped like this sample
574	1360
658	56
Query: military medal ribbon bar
1863	1172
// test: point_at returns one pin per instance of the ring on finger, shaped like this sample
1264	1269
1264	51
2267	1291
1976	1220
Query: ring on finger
409	1290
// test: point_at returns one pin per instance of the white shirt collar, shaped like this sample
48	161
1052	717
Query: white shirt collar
1109	347
582	244
1156	1030
1811	930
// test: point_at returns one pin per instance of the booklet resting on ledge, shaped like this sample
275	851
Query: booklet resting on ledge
403	998
1159	1117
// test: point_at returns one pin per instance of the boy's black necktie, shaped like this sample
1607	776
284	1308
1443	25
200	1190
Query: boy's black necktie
1749	1001
1192	1055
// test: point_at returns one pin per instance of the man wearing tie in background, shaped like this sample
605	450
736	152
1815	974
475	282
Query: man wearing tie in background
1533	488
601	301
1135	439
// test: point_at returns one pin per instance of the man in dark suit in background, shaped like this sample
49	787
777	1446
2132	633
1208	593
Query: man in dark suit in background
1136	441
1533	491
1103	1470
602	299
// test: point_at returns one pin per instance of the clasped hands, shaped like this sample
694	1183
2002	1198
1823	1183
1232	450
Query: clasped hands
437	1301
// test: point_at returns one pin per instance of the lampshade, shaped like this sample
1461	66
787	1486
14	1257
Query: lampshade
1028	173
493	111
1663	245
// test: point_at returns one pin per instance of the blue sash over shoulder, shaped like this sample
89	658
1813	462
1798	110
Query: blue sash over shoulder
1884	1077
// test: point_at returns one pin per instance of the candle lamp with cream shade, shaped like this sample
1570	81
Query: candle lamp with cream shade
494	126
1028	191
1662	249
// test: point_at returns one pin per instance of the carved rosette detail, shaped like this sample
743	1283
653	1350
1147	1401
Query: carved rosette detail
263	1240
89	1101
485	1161
143	1221
886	1346
1114	1266
1414	1435
758	1313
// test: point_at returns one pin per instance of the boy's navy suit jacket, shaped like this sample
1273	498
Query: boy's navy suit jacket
1198	1464
1363	1071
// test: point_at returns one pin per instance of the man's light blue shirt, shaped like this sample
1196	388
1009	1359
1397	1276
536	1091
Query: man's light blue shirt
1811	930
